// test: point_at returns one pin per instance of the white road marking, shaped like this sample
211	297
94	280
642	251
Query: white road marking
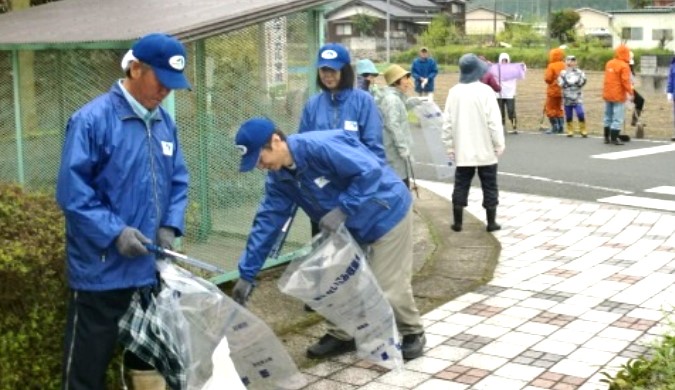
555	181
638	201
665	190
635	152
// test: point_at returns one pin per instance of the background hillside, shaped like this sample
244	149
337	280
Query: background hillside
536	9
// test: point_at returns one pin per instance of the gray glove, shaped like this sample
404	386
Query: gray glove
166	235
242	291
130	243
332	220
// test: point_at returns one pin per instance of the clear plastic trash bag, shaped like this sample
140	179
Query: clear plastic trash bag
431	123
334	279
211	329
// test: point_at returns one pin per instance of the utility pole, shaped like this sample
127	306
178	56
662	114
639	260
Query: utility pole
388	32
494	24
548	26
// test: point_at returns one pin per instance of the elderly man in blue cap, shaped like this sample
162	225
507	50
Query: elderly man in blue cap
336	180
122	183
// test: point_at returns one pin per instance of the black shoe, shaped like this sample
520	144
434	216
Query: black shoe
329	346
492	227
617	142
308	308
413	345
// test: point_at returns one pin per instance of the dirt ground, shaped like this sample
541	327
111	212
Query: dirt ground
531	94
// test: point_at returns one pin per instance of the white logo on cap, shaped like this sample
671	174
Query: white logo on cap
177	62
329	54
242	149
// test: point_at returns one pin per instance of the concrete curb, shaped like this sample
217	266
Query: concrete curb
447	265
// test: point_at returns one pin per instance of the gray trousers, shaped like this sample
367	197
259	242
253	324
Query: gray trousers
390	259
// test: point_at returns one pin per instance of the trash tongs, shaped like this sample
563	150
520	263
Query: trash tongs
184	258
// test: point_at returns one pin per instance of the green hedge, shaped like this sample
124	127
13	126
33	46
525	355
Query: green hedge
33	290
588	58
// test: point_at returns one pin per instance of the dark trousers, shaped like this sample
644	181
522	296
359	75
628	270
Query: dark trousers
507	106
639	101
488	182
91	336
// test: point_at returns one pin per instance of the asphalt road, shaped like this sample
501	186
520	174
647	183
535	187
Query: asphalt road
557	166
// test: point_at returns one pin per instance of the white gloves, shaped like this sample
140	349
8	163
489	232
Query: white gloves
669	96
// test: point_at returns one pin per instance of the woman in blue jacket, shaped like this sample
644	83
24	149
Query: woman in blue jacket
341	106
335	179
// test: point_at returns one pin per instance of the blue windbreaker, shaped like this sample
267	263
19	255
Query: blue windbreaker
424	68
334	169
115	172
353	110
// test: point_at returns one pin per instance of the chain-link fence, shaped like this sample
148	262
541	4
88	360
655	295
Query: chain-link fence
261	70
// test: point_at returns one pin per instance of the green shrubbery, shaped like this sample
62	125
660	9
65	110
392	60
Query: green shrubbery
655	372
588	57
33	290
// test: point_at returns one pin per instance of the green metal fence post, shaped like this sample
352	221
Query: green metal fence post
17	117
203	131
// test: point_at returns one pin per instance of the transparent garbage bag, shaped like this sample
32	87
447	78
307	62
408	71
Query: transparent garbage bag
431	122
217	336
333	278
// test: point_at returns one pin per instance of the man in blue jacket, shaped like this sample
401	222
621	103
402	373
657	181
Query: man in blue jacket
122	183
424	70
335	179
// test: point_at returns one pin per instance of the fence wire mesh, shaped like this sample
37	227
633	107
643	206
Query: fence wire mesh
261	70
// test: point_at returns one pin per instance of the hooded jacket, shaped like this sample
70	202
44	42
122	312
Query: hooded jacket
333	169
555	66
116	172
508	86
353	110
617	85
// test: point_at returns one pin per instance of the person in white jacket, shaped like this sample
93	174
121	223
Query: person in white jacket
507	96
474	137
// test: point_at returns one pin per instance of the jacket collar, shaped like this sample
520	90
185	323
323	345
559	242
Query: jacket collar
122	107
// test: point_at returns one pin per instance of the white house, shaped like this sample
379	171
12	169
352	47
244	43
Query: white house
644	28
482	21
593	22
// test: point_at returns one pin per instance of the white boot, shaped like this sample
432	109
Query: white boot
145	380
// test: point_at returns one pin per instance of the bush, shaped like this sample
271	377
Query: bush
33	290
588	57
653	372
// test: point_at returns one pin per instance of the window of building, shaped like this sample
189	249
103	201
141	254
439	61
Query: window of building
343	29
631	33
662	33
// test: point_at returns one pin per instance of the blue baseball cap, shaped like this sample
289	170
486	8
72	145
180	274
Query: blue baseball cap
166	56
251	137
334	56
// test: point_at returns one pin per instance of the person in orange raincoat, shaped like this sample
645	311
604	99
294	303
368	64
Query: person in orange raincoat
617	88
553	107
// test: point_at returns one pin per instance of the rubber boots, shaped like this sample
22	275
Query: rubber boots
561	124
145	380
570	129
615	137
492	225
458	215
606	129
582	129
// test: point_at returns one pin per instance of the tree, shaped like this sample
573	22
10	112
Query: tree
562	25
365	24
640	3
440	32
